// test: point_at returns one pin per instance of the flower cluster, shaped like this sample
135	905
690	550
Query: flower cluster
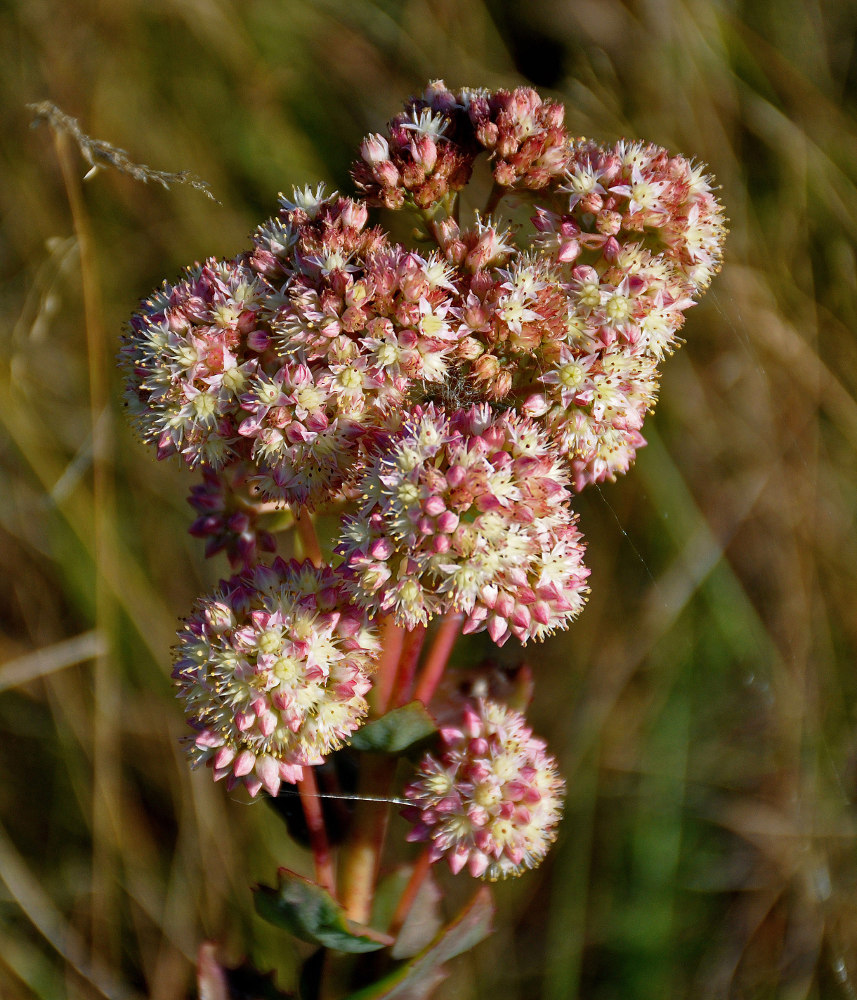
302	353
228	517
429	150
525	136
635	189
273	668
188	358
467	512
444	400
491	799
426	156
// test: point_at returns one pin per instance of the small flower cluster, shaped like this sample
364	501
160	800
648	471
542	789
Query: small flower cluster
492	797
188	358
228	517
445	401
524	135
467	512
634	189
430	148
273	668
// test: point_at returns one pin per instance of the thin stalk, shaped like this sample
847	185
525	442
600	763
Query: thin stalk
309	538
438	657
494	199
106	822
408	664
409	894
392	640
311	803
362	851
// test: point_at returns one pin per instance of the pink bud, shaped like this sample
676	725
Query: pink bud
355	215
253	786
569	250
269	772
244	763
535	405
375	149
541	612
458	859
447	522
456	475
244	720
386	174
434	506
224	757
477	865
440	544
381	548
424	152
267	723
497	628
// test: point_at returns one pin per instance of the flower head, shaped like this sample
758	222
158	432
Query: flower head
491	799
467	512
525	136
188	356
427	154
668	198
273	668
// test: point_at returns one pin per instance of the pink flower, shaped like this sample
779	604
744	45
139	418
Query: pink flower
467	512
273	668
491	799
525	136
187	360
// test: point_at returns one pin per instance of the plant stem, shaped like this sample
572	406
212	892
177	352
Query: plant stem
494	199
438	657
308	537
365	842
408	664
311	803
392	640
410	893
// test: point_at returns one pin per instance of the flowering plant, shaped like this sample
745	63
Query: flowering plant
443	402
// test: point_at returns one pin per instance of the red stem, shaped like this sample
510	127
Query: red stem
308	537
438	657
408	664
311	803
410	893
494	199
392	640
360	859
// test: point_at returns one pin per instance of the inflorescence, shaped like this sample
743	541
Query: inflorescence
491	799
446	399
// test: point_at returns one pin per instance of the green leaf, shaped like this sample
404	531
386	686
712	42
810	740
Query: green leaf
414	980
309	912
396	731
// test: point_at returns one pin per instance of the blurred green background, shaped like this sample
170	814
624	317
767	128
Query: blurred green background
703	708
